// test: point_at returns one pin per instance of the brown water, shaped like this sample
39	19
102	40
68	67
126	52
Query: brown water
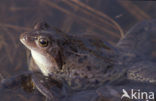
109	19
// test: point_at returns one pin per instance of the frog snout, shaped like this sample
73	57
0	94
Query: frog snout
23	37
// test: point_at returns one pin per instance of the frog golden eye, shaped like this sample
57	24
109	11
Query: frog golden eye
43	42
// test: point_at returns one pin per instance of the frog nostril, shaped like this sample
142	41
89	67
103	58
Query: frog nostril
23	37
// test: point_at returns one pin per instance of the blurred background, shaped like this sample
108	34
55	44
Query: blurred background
109	19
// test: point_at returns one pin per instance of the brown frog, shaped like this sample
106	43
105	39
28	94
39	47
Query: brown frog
83	61
80	63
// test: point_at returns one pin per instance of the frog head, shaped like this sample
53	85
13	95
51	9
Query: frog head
44	46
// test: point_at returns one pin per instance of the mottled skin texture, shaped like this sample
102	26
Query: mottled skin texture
88	69
82	61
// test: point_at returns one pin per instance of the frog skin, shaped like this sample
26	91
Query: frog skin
83	63
79	60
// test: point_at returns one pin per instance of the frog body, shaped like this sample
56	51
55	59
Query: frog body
79	60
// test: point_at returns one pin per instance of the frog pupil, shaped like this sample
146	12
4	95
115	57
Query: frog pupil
43	42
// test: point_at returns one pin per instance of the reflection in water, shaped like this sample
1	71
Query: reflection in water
101	18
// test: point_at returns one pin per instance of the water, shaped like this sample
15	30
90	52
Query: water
109	19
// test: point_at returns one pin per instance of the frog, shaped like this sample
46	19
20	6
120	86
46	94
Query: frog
65	66
72	58
69	58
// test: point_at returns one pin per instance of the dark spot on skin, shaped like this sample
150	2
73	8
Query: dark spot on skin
76	74
69	53
109	74
57	30
90	50
108	68
55	82
57	71
86	76
88	68
88	81
73	49
114	71
107	81
85	57
80	60
96	82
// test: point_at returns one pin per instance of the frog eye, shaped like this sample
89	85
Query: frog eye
43	42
